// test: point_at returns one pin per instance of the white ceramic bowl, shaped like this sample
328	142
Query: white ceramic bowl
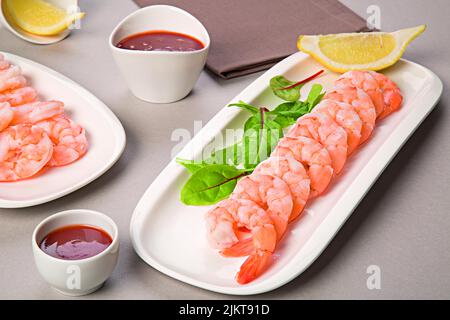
69	5
76	277
160	76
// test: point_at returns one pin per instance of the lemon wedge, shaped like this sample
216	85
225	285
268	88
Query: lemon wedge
40	17
357	51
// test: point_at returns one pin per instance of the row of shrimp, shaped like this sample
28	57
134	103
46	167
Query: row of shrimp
34	134
253	220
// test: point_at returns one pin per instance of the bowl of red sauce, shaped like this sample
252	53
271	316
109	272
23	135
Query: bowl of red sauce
76	251
160	51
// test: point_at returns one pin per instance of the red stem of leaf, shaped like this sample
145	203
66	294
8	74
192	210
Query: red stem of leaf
243	174
262	110
302	81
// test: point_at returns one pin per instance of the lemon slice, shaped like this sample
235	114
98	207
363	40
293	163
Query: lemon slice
357	51
40	17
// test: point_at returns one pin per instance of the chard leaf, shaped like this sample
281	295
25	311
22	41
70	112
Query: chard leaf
277	84
259	142
246	106
191	165
228	155
284	121
291	109
211	184
315	96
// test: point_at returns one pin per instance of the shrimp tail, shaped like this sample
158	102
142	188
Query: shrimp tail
254	266
264	242
242	248
280	225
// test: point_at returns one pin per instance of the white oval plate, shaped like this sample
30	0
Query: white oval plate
170	236
105	134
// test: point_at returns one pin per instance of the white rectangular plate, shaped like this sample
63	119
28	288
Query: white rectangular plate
170	236
105	134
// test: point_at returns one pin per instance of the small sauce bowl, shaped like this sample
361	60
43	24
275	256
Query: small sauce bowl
76	277
160	76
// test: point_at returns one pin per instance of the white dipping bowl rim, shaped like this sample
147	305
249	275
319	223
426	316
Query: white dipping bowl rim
113	43
115	236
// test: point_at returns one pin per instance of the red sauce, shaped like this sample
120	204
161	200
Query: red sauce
160	40
75	242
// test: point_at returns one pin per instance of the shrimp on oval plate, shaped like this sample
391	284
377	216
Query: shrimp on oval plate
270	193
36	111
391	93
69	140
6	115
364	80
313	156
18	96
322	128
24	151
227	217
362	104
346	116
294	174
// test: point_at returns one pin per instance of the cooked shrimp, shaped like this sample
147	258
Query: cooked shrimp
36	111
313	156
6	115
362	104
230	214
322	128
270	193
3	63
226	217
9	73
69	140
13	83
294	174
24	151
365	81
391	93
18	96
346	116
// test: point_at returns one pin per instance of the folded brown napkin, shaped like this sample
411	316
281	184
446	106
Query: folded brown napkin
252	35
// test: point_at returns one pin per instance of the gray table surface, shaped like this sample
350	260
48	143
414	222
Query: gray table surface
402	225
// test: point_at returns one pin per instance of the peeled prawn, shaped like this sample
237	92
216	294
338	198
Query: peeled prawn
362	104
345	116
270	193
3	63
391	94
227	217
18	96
322	128
365	80
13	83
12	72
313	156
36	111
24	151
69	140
294	174
6	115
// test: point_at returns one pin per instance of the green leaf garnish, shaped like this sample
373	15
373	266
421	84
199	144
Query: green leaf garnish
191	165
229	155
211	184
278	83
214	178
246	106
315	95
288	90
